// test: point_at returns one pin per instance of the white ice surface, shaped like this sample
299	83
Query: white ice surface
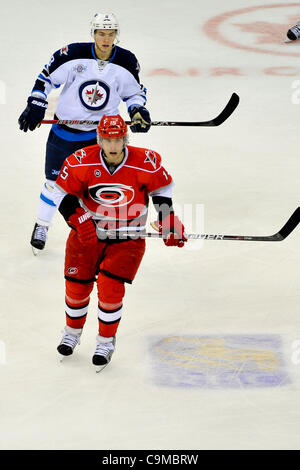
246	173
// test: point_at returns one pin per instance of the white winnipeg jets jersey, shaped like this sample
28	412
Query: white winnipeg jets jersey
92	87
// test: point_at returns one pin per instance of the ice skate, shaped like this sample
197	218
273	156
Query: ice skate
294	32
38	238
70	339
104	351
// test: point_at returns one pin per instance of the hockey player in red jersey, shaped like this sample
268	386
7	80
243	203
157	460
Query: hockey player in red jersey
96	76
103	193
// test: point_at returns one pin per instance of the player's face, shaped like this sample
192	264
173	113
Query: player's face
113	149
104	40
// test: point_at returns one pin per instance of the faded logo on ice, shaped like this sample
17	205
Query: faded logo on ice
228	361
259	29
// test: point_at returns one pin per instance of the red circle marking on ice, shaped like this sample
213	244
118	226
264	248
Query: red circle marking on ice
211	28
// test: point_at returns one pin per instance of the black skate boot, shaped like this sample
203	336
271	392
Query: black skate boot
71	337
104	350
39	236
294	32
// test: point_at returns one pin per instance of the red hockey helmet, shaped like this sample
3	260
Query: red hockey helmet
112	127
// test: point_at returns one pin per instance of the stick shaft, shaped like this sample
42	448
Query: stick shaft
288	227
205	236
67	122
225	113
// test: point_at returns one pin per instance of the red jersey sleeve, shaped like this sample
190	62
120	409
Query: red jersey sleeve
70	178
158	177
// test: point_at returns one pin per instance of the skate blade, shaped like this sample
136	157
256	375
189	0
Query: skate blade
60	358
35	251
100	368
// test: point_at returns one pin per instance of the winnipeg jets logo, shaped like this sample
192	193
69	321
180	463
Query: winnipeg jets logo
94	94
151	158
79	154
113	194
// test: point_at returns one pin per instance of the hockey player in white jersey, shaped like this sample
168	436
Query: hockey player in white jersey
96	77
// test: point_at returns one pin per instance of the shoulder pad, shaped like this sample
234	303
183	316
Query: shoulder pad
84	156
128	60
78	50
152	159
146	159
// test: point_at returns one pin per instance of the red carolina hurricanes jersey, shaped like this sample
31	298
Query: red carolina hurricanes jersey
117	201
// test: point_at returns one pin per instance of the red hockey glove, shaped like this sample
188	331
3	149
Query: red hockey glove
173	228
81	221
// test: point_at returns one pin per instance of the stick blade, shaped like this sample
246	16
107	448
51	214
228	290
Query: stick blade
227	111
290	225
224	114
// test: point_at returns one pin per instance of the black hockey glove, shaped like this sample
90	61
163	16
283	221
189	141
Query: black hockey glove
33	114
140	118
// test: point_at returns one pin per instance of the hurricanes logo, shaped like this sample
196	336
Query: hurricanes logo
79	154
94	94
112	195
151	158
73	271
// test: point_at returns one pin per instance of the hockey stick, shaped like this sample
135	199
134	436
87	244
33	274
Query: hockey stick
290	225
227	111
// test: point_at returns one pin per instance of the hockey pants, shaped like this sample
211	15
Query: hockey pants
111	265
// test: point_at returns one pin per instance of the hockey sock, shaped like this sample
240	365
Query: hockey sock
109	320
77	300
76	314
47	207
110	296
